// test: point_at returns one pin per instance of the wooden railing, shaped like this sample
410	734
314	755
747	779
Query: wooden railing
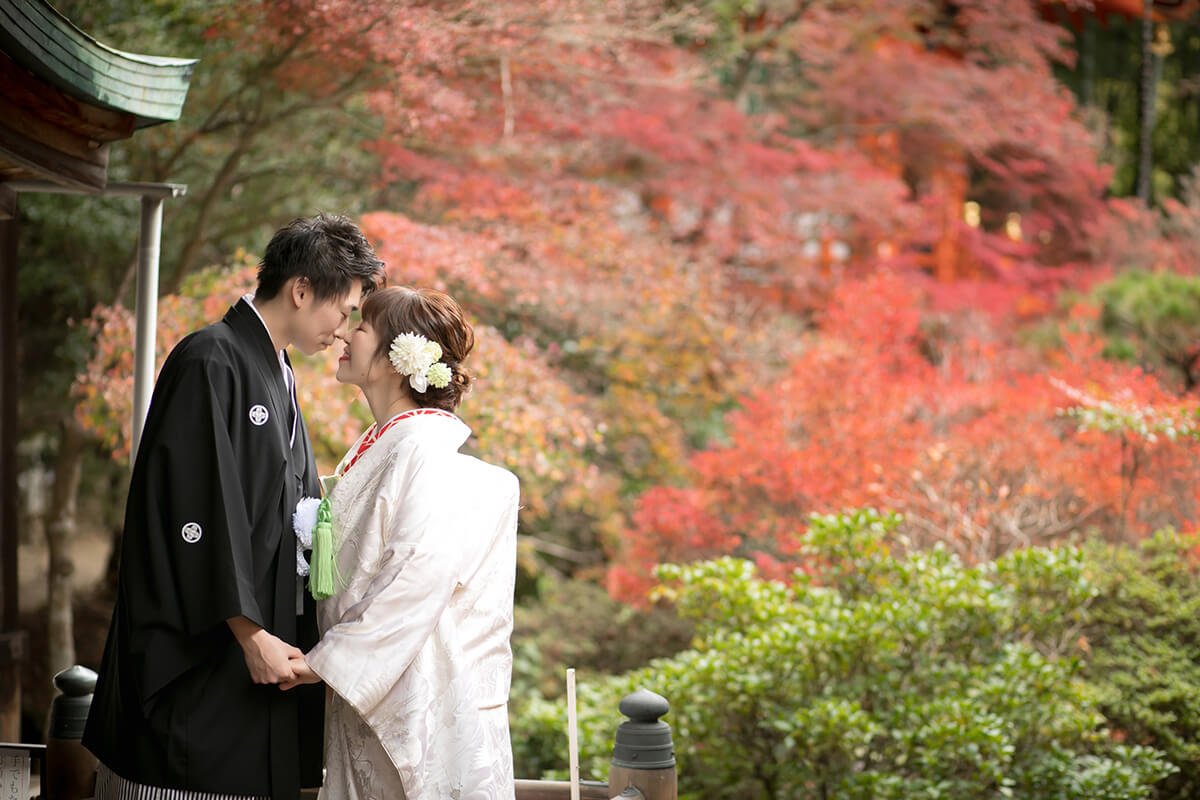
643	760
560	790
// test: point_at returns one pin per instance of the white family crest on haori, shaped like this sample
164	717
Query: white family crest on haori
416	645
191	532
259	414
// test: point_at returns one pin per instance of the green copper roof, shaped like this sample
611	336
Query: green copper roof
45	42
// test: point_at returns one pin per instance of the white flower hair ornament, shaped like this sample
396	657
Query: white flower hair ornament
415	357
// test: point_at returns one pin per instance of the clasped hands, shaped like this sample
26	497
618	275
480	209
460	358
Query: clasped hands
269	659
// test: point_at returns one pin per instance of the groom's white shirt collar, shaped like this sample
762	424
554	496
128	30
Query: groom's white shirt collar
283	367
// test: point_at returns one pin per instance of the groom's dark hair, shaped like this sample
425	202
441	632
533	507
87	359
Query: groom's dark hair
327	250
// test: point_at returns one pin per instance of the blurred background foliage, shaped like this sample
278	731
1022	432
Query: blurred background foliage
732	264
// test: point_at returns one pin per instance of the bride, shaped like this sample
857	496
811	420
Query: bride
413	565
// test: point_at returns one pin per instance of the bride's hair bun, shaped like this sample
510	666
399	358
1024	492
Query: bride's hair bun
436	316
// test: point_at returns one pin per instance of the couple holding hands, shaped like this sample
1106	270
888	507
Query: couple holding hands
258	625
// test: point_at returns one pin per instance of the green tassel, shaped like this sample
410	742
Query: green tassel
323	566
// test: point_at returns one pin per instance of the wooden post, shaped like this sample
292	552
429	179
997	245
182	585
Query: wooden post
12	642
644	756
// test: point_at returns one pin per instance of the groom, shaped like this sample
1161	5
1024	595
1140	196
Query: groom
209	607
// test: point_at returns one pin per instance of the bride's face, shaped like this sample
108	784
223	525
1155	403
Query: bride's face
360	361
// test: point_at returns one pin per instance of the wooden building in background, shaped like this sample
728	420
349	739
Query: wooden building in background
64	98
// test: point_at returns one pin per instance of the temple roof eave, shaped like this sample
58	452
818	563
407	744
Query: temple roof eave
150	88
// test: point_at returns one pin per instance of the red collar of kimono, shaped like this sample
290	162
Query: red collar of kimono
374	432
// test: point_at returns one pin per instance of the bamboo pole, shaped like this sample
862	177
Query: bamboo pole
572	735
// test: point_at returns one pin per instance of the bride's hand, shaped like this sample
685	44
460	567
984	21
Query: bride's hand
303	673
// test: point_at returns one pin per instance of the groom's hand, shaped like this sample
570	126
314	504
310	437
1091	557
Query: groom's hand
266	655
304	674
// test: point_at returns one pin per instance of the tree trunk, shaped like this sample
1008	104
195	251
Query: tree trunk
507	94
1087	62
1146	94
198	236
60	531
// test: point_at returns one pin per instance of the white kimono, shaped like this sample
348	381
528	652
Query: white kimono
416	645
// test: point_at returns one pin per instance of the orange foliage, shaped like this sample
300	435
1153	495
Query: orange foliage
961	432
632	242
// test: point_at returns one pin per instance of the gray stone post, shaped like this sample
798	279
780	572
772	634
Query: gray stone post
70	767
643	755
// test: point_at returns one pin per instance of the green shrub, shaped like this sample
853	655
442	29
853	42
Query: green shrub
574	623
1153	318
874	677
1142	631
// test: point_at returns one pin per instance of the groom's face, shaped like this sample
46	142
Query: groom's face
319	323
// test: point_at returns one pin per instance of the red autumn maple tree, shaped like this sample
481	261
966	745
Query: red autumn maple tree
632	198
961	434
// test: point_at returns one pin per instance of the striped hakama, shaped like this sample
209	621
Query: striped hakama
111	786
